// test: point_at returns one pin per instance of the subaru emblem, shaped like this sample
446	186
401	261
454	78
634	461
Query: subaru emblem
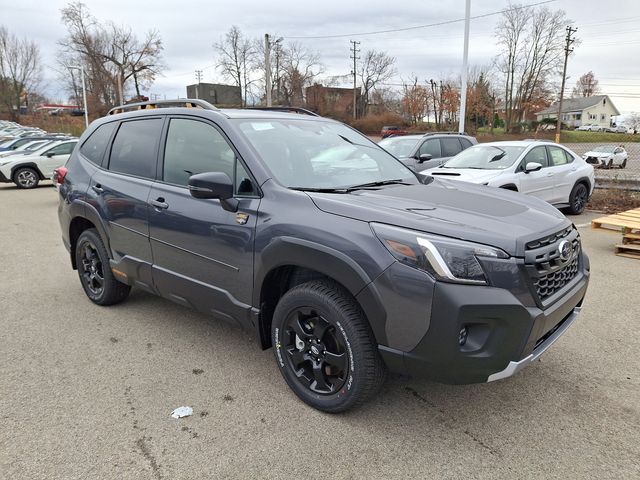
565	249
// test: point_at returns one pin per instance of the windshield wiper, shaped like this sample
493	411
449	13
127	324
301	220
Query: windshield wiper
377	184
497	157
319	190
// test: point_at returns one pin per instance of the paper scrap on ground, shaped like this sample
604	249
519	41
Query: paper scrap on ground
182	412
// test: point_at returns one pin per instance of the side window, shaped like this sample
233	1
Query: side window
195	147
64	149
538	155
94	147
450	147
432	147
135	147
465	143
243	183
558	156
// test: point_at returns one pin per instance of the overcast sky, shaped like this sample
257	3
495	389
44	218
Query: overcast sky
609	32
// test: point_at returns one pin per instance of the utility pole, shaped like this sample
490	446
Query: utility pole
267	67
465	58
435	109
199	79
354	50
567	50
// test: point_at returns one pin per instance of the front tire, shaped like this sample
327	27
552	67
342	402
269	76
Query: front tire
26	178
94	270
324	347
624	163
578	199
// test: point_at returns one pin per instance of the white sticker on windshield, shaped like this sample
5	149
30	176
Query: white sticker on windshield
259	126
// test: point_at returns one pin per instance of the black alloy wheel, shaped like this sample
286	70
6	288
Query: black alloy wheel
578	199
90	268
315	351
324	347
94	270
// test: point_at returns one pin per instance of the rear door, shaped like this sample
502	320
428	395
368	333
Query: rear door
203	254
121	191
564	176
450	147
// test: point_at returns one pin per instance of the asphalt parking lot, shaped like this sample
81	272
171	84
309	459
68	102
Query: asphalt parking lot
86	392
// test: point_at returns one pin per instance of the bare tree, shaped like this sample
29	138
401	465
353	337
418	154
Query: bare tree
236	60
20	71
376	68
300	67
586	86
110	55
532	44
415	100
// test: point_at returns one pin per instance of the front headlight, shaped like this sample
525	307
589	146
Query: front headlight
444	258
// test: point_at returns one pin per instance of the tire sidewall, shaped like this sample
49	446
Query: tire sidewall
349	392
572	197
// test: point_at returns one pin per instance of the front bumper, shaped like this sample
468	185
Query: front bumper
504	332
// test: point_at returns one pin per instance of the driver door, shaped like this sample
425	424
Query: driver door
539	184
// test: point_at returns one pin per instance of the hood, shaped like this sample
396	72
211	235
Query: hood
487	215
597	154
464	174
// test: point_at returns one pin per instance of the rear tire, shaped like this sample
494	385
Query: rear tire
324	347
26	178
94	270
578	199
624	163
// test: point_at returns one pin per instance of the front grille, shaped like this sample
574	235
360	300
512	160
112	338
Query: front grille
549	284
549	273
548	240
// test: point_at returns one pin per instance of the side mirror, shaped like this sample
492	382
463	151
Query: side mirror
532	167
214	185
50	154
425	157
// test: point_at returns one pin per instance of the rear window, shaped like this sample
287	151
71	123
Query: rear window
134	150
94	147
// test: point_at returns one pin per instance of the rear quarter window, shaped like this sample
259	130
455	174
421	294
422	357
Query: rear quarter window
94	147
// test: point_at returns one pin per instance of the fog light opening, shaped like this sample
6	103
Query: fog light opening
462	336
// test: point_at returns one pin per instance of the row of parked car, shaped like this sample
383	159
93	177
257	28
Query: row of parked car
543	169
600	128
29	155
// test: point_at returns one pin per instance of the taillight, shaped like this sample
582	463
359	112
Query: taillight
59	174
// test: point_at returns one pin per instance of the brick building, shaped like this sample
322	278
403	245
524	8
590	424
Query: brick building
331	101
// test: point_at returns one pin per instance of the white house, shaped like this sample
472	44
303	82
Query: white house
597	110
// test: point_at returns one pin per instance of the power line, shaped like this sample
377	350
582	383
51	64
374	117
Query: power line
416	27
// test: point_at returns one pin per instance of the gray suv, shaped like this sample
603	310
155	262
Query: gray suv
311	237
430	150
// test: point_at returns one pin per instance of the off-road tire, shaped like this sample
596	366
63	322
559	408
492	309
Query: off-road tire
347	324
108	290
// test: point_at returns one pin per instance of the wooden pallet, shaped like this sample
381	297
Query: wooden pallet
627	222
630	250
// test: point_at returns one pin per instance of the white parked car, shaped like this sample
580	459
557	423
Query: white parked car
26	171
607	156
591	128
618	129
540	168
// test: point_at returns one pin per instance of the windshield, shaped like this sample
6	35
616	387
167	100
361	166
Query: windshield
486	157
34	146
605	149
312	154
399	146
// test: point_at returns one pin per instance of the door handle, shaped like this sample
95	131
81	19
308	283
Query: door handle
549	174
159	203
97	188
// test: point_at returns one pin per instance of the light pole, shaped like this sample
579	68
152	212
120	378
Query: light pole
84	94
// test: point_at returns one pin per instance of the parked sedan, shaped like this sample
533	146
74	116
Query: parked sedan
607	156
591	128
26	171
420	152
540	168
618	129
390	130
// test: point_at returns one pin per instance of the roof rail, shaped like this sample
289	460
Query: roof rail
187	102
300	110
445	133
